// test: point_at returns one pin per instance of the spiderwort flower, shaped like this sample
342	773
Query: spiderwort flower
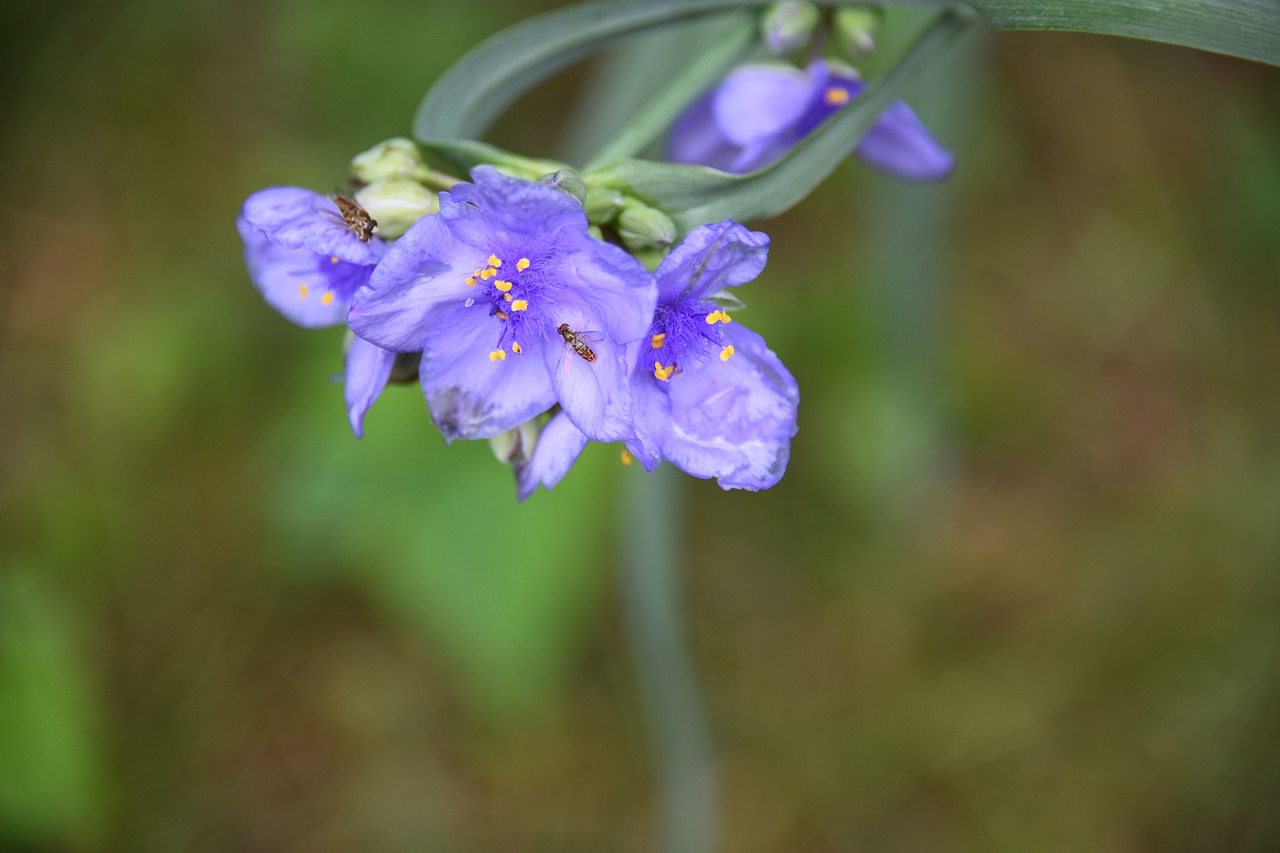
710	397
760	111
307	262
484	289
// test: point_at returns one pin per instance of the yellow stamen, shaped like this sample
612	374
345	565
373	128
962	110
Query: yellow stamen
515	348
487	274
495	261
497	355
664	373
519	305
333	259
471	282
500	316
327	298
658	340
835	96
522	264
718	317
504	286
302	291
726	352
626	457
506	296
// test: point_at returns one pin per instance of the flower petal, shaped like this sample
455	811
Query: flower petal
759	102
696	138
496	202
733	419
422	275
295	282
293	217
900	144
470	395
559	446
711	258
368	368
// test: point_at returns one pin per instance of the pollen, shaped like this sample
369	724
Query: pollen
519	305
498	355
327	298
726	352
627	457
495	261
500	315
506	296
664	373
522	264
835	96
718	317
487	274
471	282
516	348
504	286
303	291
333	259
658	340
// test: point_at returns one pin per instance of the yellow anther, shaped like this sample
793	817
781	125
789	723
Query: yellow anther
658	340
522	264
487	274
519	305
506	296
835	96
495	261
626	457
333	259
500	316
718	317
302	291
327	298
726	352
664	373
504	286
471	282
497	355
515	348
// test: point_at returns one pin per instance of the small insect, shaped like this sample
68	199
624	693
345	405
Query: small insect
354	217
577	341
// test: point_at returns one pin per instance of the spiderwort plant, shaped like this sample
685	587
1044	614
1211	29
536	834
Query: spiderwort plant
710	397
307	259
759	111
486	289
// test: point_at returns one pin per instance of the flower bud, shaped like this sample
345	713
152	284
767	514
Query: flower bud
394	158
397	203
603	204
789	25
855	30
568	182
644	227
515	446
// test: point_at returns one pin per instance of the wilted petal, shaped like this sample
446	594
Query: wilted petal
470	395
295	217
733	420
711	258
559	445
368	368
900	144
295	282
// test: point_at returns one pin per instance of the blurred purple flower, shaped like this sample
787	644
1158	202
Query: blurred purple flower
482	288
307	262
759	111
710	397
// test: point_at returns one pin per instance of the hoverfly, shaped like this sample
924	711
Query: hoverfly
353	217
575	342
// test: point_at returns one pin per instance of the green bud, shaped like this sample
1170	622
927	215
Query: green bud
595	232
568	182
789	25
397	203
515	446
394	158
644	227
855	30
603	204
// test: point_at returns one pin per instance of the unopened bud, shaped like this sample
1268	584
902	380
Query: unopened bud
789	25
515	446
568	182
397	203
644	227
855	30
394	158
603	204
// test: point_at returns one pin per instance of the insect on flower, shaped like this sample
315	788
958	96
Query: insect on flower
577	341
356	219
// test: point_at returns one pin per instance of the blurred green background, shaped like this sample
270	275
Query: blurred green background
1018	590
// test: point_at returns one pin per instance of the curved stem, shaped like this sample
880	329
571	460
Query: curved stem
651	575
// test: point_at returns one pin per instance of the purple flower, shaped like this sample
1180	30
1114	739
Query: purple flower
759	111
710	397
492	290
307	261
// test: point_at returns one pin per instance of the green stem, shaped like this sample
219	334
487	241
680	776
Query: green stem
651	577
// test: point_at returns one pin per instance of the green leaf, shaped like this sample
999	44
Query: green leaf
1245	28
693	195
